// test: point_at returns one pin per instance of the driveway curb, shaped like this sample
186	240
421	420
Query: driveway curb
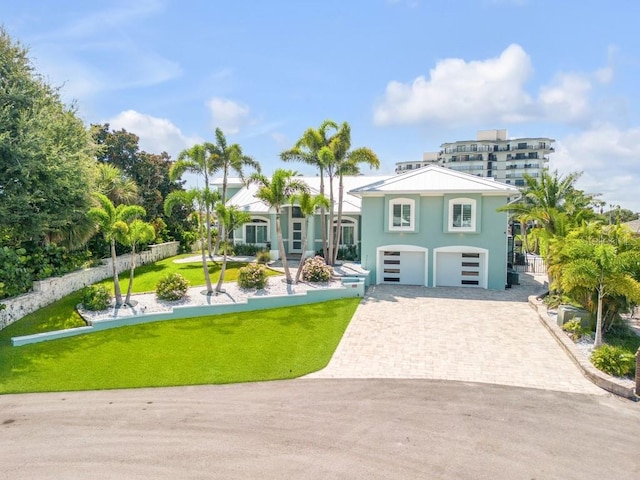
601	379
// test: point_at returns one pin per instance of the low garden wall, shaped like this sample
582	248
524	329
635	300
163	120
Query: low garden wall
351	287
51	289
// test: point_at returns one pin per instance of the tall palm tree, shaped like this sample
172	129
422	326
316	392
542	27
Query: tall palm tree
277	192
347	162
202	200
230	218
201	161
112	221
308	205
137	232
309	150
229	158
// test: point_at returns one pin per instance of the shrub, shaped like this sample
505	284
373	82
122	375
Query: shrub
348	253
172	286
614	360
252	276
263	256
316	270
96	297
247	249
575	329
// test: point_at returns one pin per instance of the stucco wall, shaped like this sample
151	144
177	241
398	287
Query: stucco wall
51	289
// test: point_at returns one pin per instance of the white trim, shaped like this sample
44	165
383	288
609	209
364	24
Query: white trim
412	215
354	224
474	210
462	249
401	248
303	222
262	222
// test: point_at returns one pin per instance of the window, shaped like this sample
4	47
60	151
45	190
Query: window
402	214
348	232
462	215
257	231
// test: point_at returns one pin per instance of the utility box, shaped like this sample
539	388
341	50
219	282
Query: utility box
567	313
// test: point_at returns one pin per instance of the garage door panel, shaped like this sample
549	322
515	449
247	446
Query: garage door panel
460	269
403	267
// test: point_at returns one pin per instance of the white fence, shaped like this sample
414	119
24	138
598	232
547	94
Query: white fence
51	289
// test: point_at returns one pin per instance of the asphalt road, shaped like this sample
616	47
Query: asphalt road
320	429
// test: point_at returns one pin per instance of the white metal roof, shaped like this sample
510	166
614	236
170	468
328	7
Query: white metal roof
435	180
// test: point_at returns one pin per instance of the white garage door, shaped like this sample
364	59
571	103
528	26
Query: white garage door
402	267
460	269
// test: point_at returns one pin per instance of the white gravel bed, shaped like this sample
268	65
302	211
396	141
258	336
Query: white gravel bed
149	303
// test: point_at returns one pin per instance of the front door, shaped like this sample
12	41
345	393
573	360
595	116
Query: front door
295	235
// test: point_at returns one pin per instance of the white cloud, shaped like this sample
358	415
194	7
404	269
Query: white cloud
461	92
230	116
156	134
493	90
608	157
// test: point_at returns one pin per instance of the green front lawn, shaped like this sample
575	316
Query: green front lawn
245	347
147	276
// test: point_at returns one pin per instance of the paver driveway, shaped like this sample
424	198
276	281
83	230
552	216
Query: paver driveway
454	334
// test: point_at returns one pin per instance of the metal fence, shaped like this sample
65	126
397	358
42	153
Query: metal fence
530	264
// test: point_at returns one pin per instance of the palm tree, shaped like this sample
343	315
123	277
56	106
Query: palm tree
276	193
230	218
201	200
112	221
603	264
308	204
309	150
113	183
228	158
136	233
199	160
347	163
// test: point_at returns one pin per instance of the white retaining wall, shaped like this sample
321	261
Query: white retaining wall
51	289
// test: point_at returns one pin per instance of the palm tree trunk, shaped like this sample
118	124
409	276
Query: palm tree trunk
283	255
205	267
127	301
116	280
339	222
323	217
329	258
302	257
222	272
208	220
221	232
598	340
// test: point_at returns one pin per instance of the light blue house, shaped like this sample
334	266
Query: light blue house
432	226
435	227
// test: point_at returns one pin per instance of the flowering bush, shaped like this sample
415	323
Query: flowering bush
252	276
172	286
95	297
316	270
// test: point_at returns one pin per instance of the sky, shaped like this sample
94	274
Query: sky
407	75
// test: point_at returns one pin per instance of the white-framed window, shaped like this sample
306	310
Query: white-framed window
256	232
402	214
462	215
349	231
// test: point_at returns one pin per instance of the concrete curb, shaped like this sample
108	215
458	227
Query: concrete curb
601	379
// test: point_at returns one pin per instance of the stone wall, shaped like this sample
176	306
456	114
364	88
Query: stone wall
51	289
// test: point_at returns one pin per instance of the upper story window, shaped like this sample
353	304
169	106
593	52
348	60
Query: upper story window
462	215
402	212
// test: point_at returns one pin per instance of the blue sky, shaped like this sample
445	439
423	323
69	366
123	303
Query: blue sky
407	75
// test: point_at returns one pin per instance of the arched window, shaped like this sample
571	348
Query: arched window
349	231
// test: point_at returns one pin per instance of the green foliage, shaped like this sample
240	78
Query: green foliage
263	256
46	164
316	270
14	272
349	253
614	360
253	275
172	286
95	297
575	329
246	249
